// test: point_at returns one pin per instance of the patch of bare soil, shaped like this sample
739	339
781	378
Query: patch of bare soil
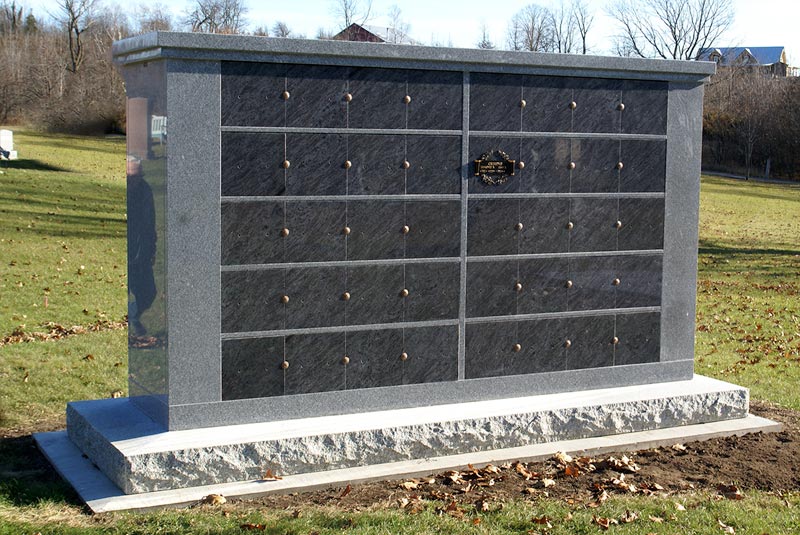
727	466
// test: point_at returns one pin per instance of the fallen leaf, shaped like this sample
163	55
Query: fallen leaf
546	482
409	485
214	499
679	507
572	471
297	513
482	506
731	492
347	490
562	458
726	528
679	447
476	521
629	517
603	522
542	521
116	394
529	490
250	526
89	357
656	519
269	476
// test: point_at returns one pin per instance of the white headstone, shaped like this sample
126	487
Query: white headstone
7	140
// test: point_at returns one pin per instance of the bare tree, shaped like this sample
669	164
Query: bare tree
11	19
485	42
217	16
563	28
76	16
530	29
351	12
583	21
398	28
154	18
281	29
670	29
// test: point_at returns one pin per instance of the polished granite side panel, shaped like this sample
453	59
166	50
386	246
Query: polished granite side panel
317	96
251	232
432	355
544	226
377	164
591	342
315	297
434	229
315	363
642	224
592	283
377	98
597	100
546	165
252	94
639	338
645	107
375	292
251	300
376	229
315	231
481	145
543	285
645	164
546	104
435	164
490	288
317	164
491	227
252	368
433	291
594	224
596	165
251	164
640	281
374	358
494	102
436	100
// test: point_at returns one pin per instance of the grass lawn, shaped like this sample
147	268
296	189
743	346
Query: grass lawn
62	263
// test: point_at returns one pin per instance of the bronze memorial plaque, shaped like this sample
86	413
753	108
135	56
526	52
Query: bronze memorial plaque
494	167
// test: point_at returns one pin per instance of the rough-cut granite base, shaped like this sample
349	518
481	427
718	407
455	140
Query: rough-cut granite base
139	456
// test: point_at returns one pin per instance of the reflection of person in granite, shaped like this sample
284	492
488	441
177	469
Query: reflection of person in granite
141	245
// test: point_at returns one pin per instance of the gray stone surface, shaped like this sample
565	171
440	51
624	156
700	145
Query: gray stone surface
345	149
172	460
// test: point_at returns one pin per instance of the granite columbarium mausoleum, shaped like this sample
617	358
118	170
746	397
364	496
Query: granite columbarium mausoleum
349	255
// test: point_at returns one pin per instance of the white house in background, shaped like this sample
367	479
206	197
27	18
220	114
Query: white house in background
767	59
7	145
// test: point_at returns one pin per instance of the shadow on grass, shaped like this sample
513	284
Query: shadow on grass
708	247
30	165
27	478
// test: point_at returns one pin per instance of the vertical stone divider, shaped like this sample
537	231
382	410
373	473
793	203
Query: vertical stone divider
193	234
465	172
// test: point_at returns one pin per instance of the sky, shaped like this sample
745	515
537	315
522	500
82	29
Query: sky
458	22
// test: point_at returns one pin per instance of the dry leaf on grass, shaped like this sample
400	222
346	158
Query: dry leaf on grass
629	517
726	528
679	507
409	485
214	499
656	519
347	490
250	527
543	521
731	492
603	522
562	458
